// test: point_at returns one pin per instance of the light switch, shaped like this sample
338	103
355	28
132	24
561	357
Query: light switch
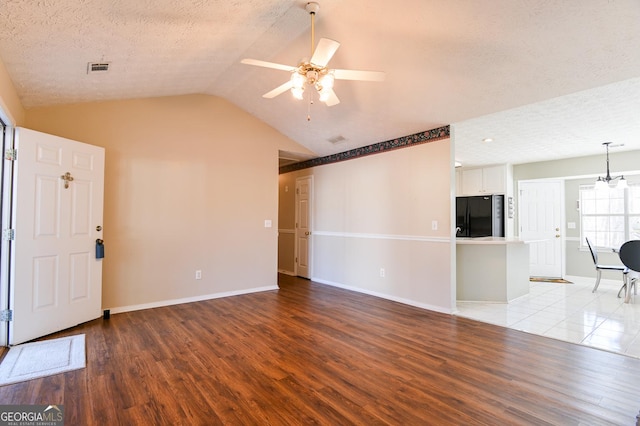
267	223
434	225
571	225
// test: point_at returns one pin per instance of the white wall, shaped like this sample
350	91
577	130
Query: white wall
376	212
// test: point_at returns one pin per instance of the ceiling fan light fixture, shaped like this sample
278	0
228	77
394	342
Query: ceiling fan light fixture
298	92
312	76
325	82
297	81
324	95
314	71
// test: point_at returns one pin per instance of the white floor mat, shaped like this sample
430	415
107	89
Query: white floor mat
39	359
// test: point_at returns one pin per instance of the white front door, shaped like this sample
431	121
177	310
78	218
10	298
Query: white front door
56	280
540	216
303	226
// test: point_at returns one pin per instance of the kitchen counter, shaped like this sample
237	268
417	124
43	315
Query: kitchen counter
492	269
489	240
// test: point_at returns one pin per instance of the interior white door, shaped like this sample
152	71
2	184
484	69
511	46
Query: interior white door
540	217
303	226
56	280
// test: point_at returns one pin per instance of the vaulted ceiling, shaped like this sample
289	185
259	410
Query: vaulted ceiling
543	78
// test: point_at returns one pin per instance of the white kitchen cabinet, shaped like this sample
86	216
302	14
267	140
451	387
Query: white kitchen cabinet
486	180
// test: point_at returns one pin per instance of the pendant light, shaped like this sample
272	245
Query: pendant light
603	182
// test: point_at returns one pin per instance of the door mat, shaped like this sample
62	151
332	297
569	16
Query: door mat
549	280
44	358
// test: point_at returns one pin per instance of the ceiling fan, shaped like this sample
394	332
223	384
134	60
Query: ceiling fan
314	72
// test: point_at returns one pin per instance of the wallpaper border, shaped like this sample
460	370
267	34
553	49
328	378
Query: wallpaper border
376	148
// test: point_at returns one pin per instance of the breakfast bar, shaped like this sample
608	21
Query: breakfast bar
491	269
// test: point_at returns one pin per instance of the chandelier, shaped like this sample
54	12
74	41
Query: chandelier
603	182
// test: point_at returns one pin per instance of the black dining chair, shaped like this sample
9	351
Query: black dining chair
600	267
630	257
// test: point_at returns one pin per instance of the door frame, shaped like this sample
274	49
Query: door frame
310	218
562	205
6	221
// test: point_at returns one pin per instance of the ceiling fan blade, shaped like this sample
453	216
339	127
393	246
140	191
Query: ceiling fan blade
266	64
359	75
325	50
332	99
278	90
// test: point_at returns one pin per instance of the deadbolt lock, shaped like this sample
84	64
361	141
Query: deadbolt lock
98	228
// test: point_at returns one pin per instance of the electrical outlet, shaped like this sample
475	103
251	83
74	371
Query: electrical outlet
198	274
382	272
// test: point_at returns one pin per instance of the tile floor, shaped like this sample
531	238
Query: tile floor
569	312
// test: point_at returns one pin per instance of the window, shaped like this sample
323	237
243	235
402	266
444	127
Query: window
609	217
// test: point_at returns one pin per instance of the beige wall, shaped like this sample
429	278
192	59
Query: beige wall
189	182
376	212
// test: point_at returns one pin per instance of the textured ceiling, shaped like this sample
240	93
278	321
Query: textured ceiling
546	79
563	127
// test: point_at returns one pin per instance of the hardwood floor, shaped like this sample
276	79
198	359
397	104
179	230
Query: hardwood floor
313	354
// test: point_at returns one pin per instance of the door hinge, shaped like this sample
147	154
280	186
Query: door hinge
8	234
6	315
11	154
296	260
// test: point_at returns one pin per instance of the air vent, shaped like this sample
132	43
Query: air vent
97	67
337	139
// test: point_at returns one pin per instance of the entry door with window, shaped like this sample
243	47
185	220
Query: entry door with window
56	279
540	216
304	187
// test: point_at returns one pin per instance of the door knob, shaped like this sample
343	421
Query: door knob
557	235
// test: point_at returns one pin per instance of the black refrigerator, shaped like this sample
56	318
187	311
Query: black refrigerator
480	216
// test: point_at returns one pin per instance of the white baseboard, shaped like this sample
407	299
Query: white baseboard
385	296
603	282
163	303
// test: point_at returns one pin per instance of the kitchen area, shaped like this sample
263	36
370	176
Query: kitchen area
491	264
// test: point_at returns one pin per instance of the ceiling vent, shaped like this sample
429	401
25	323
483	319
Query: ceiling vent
97	67
337	139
